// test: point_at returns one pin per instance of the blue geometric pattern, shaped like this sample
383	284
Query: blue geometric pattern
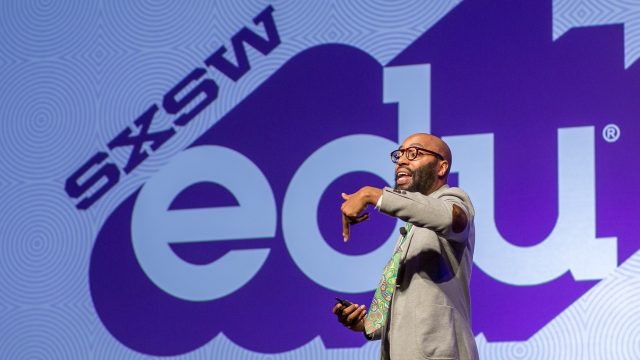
569	14
76	73
594	327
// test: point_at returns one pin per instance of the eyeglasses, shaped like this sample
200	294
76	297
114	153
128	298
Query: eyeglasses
411	153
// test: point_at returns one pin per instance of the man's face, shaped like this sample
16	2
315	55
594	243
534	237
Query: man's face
417	180
421	173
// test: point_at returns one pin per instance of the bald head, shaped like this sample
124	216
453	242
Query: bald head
430	142
433	143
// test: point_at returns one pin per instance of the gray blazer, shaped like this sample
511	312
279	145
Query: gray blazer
430	311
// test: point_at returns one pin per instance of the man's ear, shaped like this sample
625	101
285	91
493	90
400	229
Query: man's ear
444	168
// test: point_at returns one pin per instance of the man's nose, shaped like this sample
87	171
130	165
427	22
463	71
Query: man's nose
402	160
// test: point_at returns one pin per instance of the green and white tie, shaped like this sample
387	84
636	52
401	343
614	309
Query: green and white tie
379	310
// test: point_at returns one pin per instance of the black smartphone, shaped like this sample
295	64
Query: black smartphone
344	303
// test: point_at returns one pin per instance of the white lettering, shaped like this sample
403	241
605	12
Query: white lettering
154	227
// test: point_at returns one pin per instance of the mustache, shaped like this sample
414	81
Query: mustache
405	170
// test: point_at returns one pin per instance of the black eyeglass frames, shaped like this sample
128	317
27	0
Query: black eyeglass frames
411	153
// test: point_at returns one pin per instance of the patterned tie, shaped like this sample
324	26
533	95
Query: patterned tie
379	310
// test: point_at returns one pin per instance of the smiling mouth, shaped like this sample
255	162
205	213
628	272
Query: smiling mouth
403	177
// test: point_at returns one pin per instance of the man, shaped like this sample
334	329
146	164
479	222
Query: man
421	308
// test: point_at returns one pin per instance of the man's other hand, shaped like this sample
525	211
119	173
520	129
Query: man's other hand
351	316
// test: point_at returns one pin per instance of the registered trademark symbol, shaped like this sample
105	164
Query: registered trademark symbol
611	133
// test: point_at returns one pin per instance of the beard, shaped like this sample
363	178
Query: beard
422	179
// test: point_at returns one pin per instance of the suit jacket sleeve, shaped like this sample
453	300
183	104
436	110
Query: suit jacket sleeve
433	211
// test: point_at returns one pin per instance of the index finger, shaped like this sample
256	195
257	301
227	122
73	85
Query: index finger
345	227
337	308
